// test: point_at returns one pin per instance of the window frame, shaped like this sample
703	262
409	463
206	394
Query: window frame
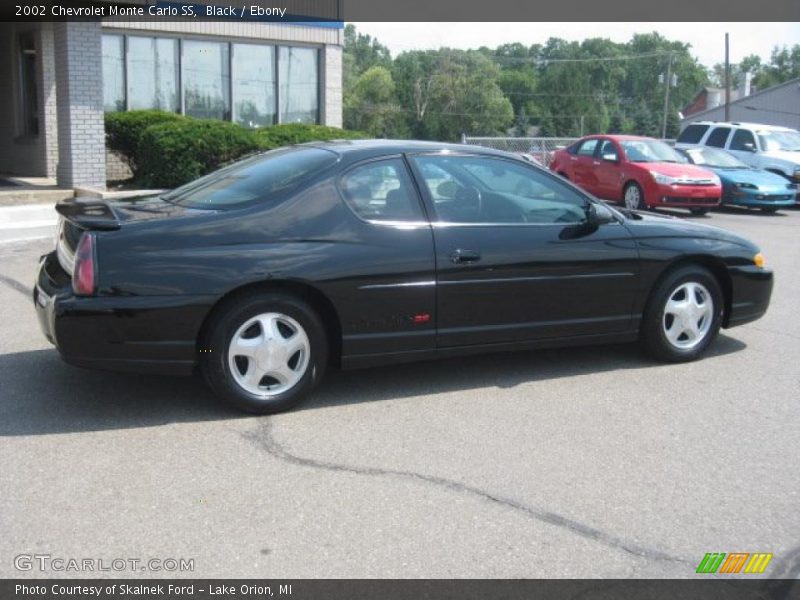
736	131
430	205
28	122
713	131
415	191
230	42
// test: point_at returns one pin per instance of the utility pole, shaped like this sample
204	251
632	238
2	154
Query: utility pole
727	81
667	85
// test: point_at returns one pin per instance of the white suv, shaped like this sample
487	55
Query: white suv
768	147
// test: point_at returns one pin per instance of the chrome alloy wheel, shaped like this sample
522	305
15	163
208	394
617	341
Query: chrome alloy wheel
688	314
633	197
269	354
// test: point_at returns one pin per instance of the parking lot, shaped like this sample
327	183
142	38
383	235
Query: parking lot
589	462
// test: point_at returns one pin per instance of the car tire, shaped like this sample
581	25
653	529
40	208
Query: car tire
698	212
633	196
665	315
770	210
276	335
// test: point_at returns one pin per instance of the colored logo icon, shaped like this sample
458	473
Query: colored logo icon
735	562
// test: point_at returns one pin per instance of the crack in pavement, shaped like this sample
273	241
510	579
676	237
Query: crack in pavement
263	437
15	285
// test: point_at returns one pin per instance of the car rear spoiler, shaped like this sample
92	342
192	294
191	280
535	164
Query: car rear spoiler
89	213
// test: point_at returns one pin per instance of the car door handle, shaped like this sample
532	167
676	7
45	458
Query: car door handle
461	256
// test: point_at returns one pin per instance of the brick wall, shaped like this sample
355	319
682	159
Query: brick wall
79	86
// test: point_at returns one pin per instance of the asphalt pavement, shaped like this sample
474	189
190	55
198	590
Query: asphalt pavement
587	462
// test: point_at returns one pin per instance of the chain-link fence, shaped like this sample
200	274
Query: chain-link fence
540	149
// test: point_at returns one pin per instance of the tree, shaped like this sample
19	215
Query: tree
371	105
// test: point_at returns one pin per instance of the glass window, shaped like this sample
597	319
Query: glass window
608	151
741	137
206	80
113	50
711	157
259	178
692	134
253	85
381	191
779	140
299	85
646	150
152	73
587	148
493	191
718	137
29	88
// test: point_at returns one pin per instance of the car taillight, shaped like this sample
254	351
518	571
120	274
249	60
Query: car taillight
84	274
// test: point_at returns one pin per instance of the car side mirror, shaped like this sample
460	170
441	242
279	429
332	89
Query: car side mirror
598	214
610	157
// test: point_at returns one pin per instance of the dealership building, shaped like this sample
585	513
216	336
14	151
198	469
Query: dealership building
60	78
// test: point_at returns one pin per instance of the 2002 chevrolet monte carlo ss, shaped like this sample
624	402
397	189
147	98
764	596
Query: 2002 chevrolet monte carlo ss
373	252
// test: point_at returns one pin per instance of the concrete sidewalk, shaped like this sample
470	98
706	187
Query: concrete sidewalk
27	222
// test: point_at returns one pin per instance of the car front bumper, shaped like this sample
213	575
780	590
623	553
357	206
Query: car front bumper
155	334
760	199
688	196
751	293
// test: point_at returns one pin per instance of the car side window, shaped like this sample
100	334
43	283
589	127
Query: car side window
608	151
381	191
718	137
692	134
587	148
742	137
487	190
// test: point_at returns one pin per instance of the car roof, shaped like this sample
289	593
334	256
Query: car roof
358	149
757	126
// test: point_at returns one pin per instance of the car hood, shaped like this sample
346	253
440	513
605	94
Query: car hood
646	224
754	176
784	155
679	170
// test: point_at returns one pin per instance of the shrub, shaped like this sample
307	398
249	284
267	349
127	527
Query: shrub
298	133
176	152
124	131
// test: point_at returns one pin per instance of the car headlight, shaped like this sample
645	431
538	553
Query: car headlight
745	186
716	180
662	179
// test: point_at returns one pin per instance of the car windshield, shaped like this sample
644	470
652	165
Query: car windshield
650	151
780	140
251	180
711	157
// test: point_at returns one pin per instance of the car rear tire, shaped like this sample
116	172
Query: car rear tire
633	197
683	315
698	212
264	352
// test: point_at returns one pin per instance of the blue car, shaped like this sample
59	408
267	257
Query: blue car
742	185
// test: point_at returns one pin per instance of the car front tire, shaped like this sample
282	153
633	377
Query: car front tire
683	315
633	197
264	352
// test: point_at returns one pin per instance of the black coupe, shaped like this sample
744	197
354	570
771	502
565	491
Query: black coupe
371	252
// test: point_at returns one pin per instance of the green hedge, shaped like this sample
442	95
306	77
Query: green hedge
296	133
173	153
166	150
124	131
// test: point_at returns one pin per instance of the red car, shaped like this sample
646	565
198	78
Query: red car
639	172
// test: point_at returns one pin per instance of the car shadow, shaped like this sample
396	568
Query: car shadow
43	395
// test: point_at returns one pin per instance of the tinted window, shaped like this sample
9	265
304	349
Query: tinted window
381	191
489	190
299	84
113	49
254	98
152	73
206	80
742	137
607	150
718	137
692	134
587	148
260	178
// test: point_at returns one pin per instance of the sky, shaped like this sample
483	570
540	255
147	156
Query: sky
707	39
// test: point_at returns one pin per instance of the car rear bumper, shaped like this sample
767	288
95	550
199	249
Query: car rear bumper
155	334
751	293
